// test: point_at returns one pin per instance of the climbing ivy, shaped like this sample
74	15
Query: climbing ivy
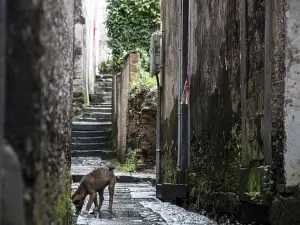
130	24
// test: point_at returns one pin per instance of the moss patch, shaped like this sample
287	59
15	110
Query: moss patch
64	210
129	164
211	173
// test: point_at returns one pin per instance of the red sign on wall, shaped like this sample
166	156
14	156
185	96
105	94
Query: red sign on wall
185	92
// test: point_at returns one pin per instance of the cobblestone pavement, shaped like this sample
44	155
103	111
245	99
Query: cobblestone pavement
135	204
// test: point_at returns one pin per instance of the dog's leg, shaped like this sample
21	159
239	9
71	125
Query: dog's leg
92	197
96	205
96	201
101	198
111	191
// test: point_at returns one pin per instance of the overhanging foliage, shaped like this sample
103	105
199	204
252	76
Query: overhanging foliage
130	24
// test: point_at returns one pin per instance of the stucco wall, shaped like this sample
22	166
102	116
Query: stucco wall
38	104
292	95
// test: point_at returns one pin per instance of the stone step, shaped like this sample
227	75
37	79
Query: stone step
105	155
90	110
90	126
97	133
107	98
93	119
105	75
103	105
91	139
99	106
102	113
99	115
92	146
128	177
105	94
105	88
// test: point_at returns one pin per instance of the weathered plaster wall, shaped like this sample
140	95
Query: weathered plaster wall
131	63
78	80
214	104
38	104
169	17
103	52
286	203
292	95
90	43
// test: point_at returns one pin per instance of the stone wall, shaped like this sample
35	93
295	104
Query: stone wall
221	97
38	103
129	70
141	123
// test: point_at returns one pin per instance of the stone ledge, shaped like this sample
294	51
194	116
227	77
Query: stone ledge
123	177
120	179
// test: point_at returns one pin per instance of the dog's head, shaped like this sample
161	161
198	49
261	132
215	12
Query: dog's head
78	201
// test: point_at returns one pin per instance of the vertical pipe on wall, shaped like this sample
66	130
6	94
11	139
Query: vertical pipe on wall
159	81
184	77
179	91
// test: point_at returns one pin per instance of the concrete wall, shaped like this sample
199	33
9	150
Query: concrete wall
292	95
38	103
216	111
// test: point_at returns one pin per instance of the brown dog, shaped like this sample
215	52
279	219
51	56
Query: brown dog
93	183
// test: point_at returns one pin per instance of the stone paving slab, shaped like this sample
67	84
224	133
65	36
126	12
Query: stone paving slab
136	204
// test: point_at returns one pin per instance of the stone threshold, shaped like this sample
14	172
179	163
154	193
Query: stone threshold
122	177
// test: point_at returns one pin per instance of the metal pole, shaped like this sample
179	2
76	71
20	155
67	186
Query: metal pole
179	93
2	92
184	107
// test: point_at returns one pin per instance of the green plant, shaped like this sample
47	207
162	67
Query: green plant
130	24
130	163
106	66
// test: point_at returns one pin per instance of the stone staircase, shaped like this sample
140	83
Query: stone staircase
92	130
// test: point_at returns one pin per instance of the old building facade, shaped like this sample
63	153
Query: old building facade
243	106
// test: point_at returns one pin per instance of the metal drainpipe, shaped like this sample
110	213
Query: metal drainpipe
179	93
159	81
184	107
158	122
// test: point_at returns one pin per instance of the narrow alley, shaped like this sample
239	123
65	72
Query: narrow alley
135	199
